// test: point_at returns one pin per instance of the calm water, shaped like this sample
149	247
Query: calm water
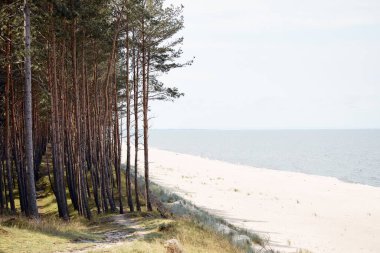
349	155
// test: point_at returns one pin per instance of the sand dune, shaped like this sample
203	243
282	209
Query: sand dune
321	214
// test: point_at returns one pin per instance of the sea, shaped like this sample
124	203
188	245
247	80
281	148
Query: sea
349	155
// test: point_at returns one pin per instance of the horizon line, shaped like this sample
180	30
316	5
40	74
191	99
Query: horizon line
241	129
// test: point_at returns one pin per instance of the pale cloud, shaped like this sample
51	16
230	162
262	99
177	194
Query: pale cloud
261	15
277	64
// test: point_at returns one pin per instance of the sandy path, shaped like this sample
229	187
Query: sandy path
295	210
126	230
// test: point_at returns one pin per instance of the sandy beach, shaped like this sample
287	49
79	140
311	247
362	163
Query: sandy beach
294	210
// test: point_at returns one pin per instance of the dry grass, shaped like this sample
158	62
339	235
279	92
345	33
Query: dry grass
304	251
18	234
194	239
51	234
198	239
48	235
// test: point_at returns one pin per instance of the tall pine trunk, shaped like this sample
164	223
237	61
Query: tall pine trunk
80	172
128	125
31	193
136	114
145	118
56	135
8	164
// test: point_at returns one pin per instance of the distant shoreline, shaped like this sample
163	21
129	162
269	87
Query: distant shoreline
296	210
348	155
270	169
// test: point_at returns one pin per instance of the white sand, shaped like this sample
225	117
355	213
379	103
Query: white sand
321	214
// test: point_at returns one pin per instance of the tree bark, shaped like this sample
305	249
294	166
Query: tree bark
136	113
32	202
117	144
1	188
80	173
7	147
56	135
128	125
145	118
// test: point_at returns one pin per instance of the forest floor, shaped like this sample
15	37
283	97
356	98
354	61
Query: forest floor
131	232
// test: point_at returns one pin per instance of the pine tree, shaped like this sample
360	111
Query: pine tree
31	193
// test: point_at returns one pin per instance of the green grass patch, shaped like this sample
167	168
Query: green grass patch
143	232
19	234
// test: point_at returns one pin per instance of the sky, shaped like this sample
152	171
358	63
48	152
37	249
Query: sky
276	64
